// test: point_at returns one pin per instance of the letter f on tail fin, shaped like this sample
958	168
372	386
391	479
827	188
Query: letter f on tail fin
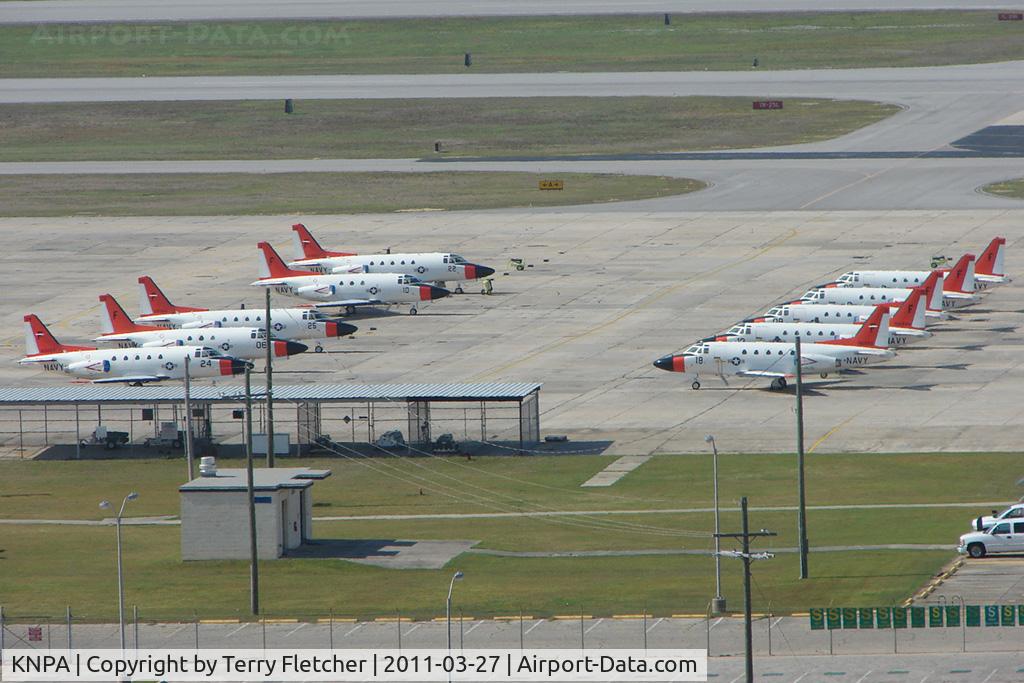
152	300
113	319
307	247
910	313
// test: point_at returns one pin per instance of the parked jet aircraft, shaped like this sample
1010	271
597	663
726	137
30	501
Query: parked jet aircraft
287	323
958	285
241	342
905	326
777	330
137	366
777	360
429	267
833	294
349	290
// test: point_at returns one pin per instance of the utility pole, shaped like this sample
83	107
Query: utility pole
189	458
254	569
745	555
801	523
270	392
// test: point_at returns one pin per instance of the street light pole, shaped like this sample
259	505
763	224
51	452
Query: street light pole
105	505
254	569
802	502
448	607
270	389
188	419
718	604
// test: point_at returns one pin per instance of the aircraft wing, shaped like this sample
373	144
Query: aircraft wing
137	379
764	373
350	302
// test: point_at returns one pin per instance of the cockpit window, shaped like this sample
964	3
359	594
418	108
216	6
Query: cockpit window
736	329
457	259
693	349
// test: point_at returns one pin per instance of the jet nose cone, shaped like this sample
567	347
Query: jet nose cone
339	329
431	292
484	271
233	366
670	363
284	348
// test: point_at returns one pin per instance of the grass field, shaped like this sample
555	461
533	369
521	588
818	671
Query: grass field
519	44
1011	189
242	194
71	490
409	128
79	572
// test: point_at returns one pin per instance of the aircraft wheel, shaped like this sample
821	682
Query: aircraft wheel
318	349
412	311
824	375
695	385
458	290
779	383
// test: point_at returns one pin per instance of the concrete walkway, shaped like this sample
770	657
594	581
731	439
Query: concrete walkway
615	471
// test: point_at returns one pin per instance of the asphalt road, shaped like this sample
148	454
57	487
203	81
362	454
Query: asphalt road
942	103
189	10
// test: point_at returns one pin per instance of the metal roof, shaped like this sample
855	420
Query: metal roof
175	393
263	479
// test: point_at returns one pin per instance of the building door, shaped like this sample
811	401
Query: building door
282	547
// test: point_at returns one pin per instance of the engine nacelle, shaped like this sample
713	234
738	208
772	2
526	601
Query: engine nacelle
318	292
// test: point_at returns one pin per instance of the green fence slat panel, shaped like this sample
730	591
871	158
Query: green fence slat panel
849	617
952	615
991	615
884	617
834	615
1008	615
972	615
865	617
1020	615
917	617
899	617
817	618
935	614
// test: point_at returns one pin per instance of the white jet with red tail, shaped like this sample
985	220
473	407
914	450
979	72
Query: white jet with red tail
428	266
131	366
350	290
777	360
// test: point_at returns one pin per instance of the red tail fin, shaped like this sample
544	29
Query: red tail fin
873	332
271	265
39	341
152	301
956	279
306	245
991	260
933	291
910	313
113	319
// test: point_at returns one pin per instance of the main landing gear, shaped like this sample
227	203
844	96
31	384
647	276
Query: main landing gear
412	310
778	384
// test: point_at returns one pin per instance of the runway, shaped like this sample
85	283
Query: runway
42	11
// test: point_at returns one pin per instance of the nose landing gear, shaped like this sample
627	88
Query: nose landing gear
695	385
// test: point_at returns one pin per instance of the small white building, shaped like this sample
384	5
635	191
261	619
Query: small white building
215	512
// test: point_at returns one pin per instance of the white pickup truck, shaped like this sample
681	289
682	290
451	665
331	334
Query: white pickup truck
987	521
1003	537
